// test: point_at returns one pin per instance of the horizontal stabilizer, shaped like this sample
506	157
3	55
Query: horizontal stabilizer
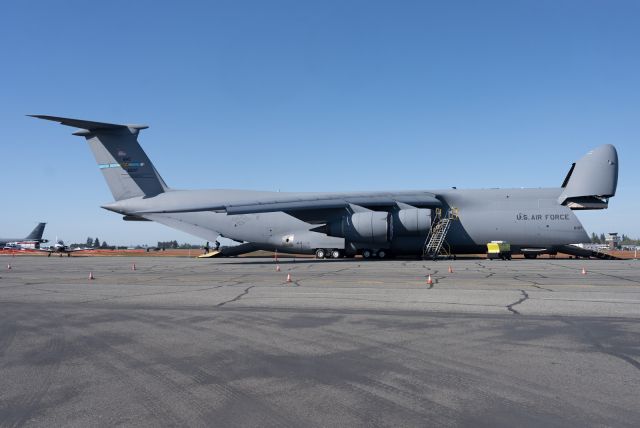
85	124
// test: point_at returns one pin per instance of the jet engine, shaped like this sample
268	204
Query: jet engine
411	221
366	227
379	227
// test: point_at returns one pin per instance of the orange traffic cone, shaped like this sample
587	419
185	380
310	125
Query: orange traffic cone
133	266
288	277
277	268
450	269
584	271
91	275
429	280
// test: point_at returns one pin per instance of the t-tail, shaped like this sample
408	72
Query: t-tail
592	180
126	168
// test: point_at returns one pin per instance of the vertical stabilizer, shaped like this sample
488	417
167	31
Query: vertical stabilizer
126	168
36	234
592	180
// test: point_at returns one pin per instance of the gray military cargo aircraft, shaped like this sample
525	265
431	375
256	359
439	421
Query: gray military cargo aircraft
31	240
373	224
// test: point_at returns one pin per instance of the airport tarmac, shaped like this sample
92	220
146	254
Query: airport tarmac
229	342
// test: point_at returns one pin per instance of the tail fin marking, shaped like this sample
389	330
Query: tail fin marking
126	168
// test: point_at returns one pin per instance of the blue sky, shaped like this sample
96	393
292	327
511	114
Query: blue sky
314	95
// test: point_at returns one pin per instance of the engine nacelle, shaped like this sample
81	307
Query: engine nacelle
411	221
366	227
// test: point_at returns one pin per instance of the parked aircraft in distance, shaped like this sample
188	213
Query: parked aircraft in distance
373	224
32	240
60	248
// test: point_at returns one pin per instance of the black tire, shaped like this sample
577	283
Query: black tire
321	253
336	254
366	254
382	254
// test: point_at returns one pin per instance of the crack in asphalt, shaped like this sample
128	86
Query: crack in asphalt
531	283
238	297
230	283
317	275
524	297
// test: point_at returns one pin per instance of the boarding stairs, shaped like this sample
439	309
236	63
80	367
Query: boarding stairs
435	243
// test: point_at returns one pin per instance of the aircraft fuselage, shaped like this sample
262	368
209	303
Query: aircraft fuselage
526	218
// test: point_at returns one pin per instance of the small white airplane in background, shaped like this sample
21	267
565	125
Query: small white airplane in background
61	248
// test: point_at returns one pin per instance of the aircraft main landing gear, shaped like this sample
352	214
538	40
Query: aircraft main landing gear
381	254
323	253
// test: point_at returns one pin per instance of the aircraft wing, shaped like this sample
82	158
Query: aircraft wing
66	250
313	208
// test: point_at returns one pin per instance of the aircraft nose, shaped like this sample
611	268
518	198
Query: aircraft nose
581	236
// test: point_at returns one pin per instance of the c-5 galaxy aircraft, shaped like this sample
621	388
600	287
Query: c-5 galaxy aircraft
32	240
373	224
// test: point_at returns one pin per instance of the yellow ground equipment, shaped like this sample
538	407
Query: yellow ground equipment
499	250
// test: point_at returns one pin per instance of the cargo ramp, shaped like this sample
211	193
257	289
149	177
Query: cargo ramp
231	251
584	252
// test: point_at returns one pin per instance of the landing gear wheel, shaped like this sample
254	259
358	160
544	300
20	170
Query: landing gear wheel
321	253
530	256
366	254
382	254
335	254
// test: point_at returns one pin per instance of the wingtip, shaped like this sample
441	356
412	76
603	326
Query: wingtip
42	116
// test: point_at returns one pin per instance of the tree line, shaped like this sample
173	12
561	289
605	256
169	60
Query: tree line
624	239
103	245
174	245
